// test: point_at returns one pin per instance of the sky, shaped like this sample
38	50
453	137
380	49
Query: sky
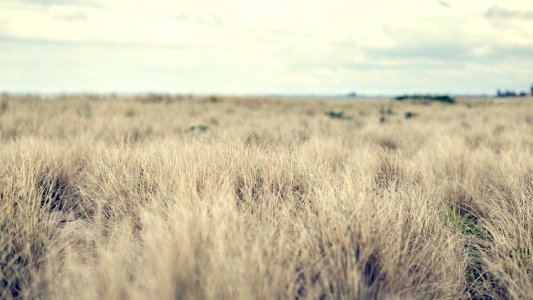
243	47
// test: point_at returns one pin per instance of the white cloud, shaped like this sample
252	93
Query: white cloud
383	46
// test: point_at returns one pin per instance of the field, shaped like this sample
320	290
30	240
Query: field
160	197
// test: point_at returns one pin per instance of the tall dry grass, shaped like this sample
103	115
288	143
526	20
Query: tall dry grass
164	197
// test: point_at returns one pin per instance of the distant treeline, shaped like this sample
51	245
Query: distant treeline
421	97
505	94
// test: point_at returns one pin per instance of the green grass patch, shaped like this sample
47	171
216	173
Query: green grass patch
339	115
198	128
477	239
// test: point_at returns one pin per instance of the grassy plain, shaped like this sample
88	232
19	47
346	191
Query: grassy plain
227	198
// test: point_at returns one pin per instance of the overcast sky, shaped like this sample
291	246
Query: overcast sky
258	47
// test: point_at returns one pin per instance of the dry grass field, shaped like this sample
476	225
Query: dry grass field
227	198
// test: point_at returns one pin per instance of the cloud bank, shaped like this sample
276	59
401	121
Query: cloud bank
256	47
